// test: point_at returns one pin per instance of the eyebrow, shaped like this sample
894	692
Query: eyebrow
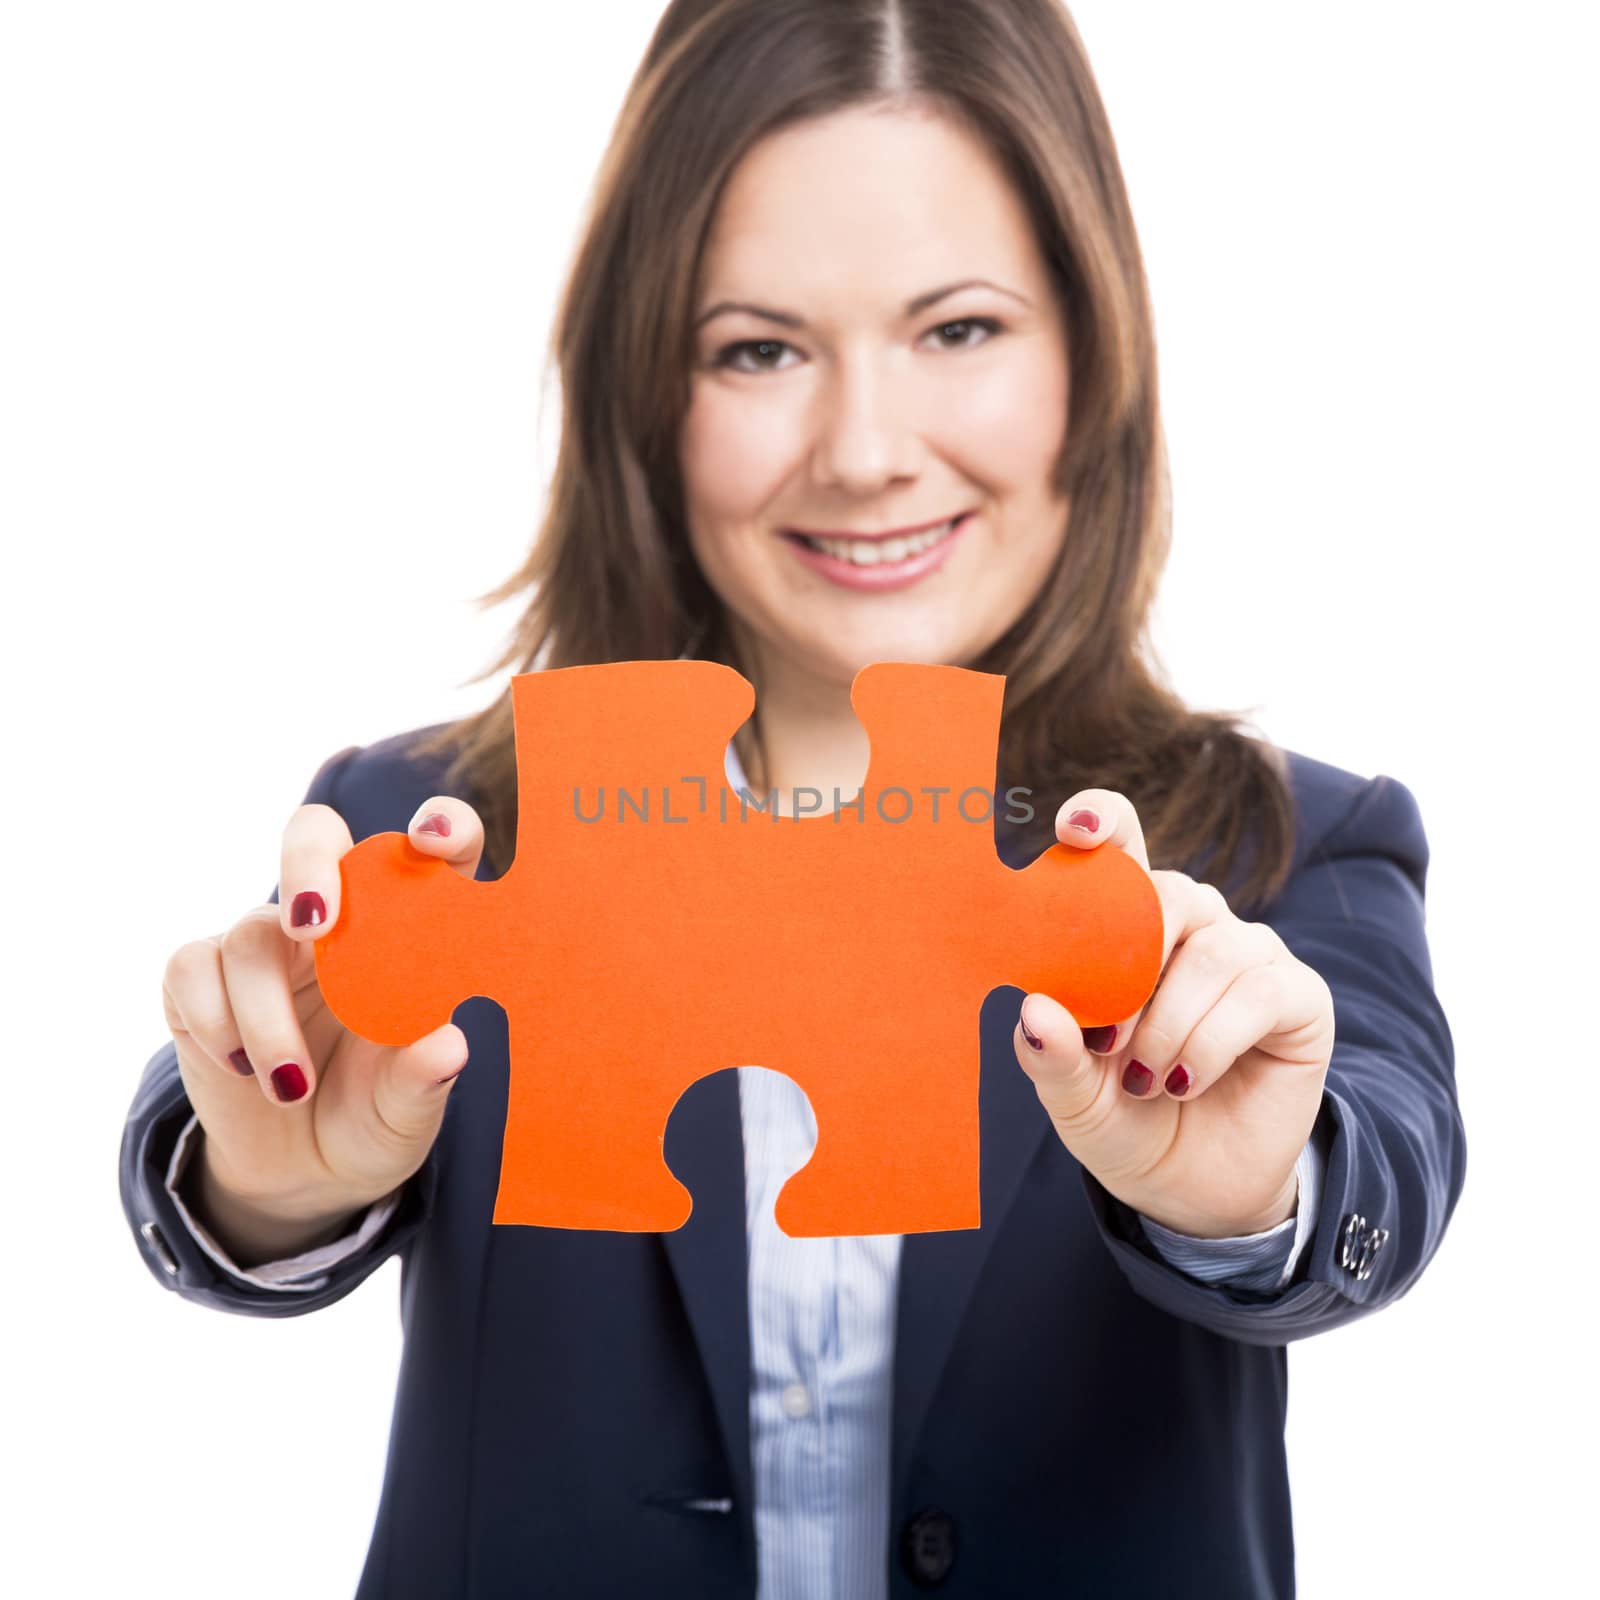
921	302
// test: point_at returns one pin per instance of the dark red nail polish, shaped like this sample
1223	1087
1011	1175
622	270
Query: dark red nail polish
1137	1077
240	1063
1034	1041
308	910
435	822
1101	1039
1083	818
1178	1080
288	1081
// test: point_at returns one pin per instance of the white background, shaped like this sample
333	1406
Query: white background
277	285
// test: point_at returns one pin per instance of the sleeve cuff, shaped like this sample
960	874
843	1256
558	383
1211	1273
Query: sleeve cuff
302	1273
1261	1261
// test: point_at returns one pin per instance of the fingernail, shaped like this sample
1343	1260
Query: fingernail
240	1063
288	1081
435	822
451	1076
1034	1041
308	910
1083	818
1178	1080
1100	1039
1137	1077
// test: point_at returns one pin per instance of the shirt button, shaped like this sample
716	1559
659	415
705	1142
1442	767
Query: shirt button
796	1401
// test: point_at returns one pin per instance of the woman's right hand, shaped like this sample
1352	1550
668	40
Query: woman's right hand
306	1122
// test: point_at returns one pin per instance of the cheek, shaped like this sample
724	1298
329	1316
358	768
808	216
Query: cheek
1009	420
735	451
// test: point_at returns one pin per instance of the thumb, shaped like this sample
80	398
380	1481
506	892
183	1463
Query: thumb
412	1088
1071	1082
1115	1137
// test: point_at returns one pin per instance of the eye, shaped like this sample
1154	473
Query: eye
988	324
729	355
725	357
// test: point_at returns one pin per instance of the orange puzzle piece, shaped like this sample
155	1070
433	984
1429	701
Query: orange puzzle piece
685	931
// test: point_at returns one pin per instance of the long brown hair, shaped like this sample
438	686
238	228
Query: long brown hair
610	575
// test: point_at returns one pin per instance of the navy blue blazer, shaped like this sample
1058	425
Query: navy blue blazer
572	1408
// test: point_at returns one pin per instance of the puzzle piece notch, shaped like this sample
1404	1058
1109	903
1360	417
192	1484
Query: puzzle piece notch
598	932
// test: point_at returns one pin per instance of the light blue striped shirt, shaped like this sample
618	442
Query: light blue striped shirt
822	1336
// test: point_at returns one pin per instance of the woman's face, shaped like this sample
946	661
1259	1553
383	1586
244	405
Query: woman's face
859	400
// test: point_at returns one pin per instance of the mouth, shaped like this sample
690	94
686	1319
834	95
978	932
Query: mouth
874	550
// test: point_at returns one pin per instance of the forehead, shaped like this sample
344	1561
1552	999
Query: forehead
858	201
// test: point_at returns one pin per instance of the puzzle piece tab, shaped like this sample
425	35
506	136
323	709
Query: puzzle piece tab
683	932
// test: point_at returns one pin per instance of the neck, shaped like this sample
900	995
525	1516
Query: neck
804	734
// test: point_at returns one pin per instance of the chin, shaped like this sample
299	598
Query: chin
840	658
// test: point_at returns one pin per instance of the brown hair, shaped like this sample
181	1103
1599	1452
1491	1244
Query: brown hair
610	574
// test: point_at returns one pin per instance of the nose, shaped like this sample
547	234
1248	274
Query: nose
866	434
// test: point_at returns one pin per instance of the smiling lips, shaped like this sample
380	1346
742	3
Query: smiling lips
879	561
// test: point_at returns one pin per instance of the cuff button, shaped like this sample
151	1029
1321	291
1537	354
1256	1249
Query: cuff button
158	1247
1359	1244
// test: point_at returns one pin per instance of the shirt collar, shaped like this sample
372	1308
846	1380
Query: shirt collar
734	769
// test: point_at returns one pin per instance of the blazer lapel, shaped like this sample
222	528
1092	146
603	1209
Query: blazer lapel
709	1256
939	1271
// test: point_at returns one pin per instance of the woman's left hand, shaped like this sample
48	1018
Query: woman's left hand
1196	1111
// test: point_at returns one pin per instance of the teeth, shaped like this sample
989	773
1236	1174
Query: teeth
872	552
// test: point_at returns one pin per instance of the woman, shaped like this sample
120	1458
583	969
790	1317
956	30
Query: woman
857	365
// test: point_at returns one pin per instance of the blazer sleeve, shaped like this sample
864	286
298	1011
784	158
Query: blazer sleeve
1389	1120
159	1114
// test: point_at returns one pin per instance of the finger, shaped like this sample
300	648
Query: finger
1169	1051
1095	817
314	839
451	830
196	1001
1102	1126
1243	1013
1104	1040
256	959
